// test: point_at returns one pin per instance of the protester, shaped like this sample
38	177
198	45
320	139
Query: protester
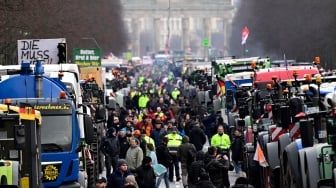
145	176
151	153
197	136
175	140
221	140
117	178
237	150
195	170
164	157
123	143
217	166
183	153
111	149
134	155
130	182
101	182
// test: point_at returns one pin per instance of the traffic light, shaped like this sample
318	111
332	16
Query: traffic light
19	136
61	52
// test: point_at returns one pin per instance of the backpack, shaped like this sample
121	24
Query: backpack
191	154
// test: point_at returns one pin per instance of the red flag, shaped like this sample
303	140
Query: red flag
245	34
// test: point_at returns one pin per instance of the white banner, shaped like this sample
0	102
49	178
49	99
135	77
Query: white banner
31	49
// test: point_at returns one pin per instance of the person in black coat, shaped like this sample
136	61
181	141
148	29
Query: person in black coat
204	181
197	137
111	149
117	178
195	169
145	175
123	143
217	166
164	157
237	150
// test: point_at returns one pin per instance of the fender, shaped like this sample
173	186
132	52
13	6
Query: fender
302	167
315	168
291	152
274	163
273	155
284	140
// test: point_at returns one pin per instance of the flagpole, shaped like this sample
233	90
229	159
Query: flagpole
244	48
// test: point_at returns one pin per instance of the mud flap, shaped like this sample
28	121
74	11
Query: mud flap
293	162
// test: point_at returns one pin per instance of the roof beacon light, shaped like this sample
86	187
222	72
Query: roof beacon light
62	95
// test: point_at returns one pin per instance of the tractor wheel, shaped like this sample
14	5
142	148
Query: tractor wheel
289	179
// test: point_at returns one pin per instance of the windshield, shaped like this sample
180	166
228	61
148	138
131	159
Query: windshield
56	133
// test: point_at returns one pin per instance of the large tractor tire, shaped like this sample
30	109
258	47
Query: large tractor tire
289	178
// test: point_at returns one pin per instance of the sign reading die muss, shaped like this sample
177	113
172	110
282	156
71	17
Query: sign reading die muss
29	50
87	57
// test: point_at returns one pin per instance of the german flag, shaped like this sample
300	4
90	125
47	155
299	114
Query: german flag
27	111
221	87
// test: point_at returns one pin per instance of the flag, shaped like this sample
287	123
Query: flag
260	157
221	87
26	112
245	34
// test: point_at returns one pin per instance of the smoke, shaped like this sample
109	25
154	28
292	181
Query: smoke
299	29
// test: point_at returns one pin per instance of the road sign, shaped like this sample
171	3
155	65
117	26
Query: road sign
205	42
87	57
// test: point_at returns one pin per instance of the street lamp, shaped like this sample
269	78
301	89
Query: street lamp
93	39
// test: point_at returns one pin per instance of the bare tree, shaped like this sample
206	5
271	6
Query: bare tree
300	29
73	20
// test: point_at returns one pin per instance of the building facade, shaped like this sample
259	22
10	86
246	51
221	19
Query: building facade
196	26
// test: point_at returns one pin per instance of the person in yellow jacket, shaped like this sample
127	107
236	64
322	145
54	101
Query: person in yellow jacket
175	93
147	139
174	141
221	140
143	100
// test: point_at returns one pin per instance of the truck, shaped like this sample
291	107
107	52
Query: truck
20	137
62	147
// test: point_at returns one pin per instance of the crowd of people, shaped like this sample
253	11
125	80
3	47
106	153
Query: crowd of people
161	124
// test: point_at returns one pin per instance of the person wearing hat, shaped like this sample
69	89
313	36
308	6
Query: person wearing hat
175	93
145	175
175	140
147	139
111	149
158	132
129	125
142	143
117	178
134	154
183	154
123	139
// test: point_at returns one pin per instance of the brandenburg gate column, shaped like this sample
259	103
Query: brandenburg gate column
136	37
185	33
157	33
